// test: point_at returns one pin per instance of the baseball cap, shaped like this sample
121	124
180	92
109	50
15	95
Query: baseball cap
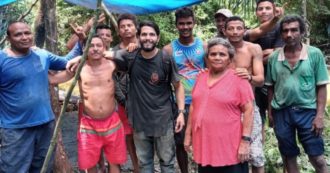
223	11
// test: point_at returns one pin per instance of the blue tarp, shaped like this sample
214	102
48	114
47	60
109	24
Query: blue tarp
137	6
5	2
130	6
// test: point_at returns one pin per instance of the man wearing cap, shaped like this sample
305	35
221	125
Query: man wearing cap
253	34
220	19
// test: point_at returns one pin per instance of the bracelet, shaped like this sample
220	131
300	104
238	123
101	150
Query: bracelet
246	138
181	111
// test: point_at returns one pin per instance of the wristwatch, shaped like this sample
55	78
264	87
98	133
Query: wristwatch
246	138
182	111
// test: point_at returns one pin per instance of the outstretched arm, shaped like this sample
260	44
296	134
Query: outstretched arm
59	77
81	30
262	29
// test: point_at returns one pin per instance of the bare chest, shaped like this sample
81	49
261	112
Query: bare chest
243	59
96	78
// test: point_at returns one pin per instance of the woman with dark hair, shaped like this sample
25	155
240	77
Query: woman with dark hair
220	120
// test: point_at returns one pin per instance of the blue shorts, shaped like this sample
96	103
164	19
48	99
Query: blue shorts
24	150
291	120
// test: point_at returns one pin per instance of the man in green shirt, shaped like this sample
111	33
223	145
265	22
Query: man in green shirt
297	78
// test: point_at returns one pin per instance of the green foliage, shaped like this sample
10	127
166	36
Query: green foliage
318	16
166	22
66	14
274	162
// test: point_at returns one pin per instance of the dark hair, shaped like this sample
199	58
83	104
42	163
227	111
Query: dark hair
260	1
224	42
127	16
150	24
102	26
95	36
293	18
184	12
11	23
234	18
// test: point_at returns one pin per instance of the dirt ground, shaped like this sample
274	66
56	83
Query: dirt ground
69	133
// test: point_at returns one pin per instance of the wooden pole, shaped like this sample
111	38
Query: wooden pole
67	98
112	18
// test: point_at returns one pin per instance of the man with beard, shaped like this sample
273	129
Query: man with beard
151	73
248	64
188	53
297	79
26	117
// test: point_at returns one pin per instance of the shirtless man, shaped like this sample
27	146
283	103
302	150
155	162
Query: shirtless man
248	64
100	126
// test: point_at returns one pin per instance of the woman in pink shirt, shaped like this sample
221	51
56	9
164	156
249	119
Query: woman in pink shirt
219	135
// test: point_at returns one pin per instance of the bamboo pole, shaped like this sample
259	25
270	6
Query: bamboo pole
112	18
68	95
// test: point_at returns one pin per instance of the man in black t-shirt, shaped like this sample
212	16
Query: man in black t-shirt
149	106
266	11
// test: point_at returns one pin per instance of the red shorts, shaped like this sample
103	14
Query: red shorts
123	117
97	134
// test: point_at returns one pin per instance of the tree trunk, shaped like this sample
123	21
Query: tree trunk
39	27
46	34
304	10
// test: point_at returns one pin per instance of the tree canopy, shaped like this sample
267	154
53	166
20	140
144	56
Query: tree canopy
318	16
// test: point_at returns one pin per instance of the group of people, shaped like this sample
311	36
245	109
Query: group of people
144	99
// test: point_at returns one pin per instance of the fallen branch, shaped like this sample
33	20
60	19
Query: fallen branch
73	84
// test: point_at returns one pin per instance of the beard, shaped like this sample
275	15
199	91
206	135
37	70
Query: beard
148	48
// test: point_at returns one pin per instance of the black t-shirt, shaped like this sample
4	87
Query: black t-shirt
271	39
149	106
121	83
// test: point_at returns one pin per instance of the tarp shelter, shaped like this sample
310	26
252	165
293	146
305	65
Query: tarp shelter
5	2
130	6
137	6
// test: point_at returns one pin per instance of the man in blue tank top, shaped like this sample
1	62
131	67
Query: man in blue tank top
188	53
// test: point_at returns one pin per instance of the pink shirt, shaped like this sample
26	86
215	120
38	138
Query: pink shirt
216	118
